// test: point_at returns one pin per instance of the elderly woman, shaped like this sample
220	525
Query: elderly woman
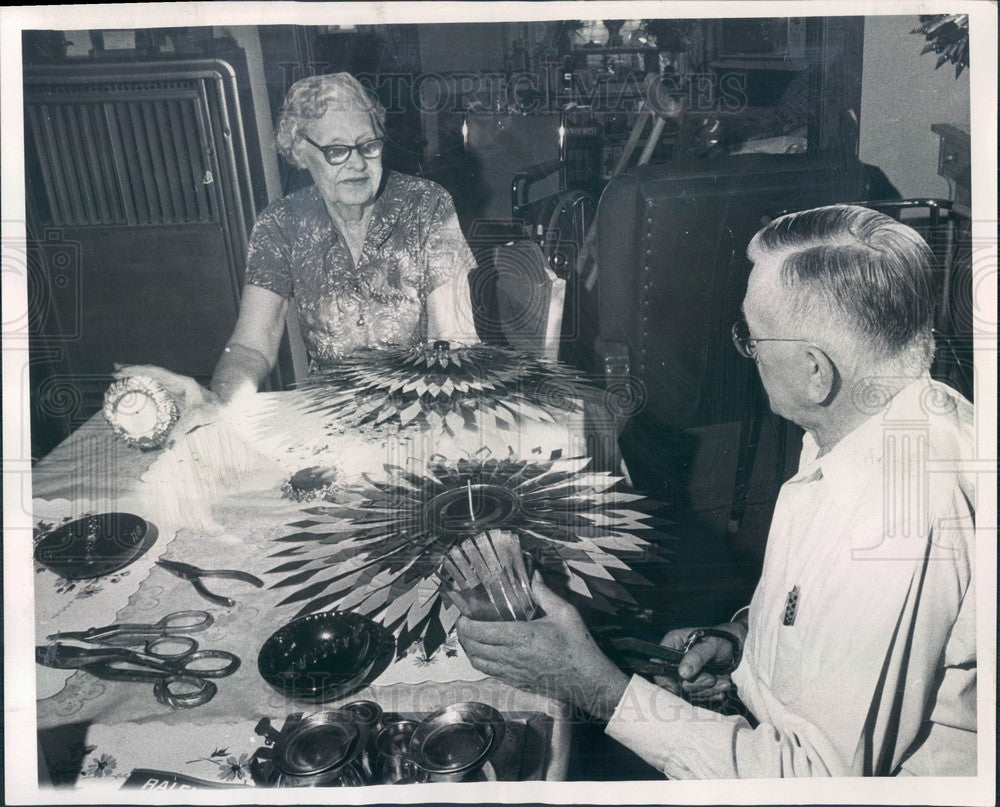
370	257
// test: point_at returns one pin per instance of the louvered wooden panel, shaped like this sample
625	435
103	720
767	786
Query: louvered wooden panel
138	155
139	144
142	170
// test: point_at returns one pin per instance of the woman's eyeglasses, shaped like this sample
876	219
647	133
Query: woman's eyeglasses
338	154
746	345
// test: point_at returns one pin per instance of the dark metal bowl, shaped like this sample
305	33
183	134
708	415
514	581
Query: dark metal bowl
95	545
322	657
457	739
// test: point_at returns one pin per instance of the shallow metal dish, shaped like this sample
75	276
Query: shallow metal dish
323	657
322	743
95	545
457	739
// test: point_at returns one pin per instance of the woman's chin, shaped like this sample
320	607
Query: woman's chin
355	193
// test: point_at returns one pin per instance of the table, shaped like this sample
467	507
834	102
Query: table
214	500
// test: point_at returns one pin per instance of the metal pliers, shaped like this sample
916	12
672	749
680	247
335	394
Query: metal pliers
193	575
648	658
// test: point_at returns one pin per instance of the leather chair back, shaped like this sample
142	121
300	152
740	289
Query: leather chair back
672	270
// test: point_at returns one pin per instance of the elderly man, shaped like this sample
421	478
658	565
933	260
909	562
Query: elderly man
858	654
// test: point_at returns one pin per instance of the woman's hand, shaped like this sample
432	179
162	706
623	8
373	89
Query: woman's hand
198	406
693	682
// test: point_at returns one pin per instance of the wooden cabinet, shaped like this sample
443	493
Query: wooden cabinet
795	74
139	206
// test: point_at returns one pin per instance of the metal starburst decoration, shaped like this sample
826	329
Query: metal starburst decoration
382	554
948	36
437	386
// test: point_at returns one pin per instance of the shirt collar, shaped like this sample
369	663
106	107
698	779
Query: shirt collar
862	448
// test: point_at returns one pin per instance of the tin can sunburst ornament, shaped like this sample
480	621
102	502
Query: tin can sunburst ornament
437	386
383	554
140	412
948	36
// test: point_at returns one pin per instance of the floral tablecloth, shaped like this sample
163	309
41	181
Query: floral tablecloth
215	502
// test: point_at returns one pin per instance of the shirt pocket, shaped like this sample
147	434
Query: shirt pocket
786	664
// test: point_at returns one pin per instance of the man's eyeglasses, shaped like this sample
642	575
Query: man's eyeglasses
338	154
746	345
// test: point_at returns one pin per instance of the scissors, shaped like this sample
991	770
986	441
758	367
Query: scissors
193	575
184	668
129	633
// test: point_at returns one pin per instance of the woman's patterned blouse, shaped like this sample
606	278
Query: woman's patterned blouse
413	245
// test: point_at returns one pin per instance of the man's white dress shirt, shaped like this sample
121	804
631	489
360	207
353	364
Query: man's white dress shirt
876	674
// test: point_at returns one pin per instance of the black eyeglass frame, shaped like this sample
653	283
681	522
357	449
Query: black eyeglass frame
348	149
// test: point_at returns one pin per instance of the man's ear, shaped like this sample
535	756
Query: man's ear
823	377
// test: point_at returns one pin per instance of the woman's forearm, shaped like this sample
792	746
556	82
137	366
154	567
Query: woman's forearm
240	370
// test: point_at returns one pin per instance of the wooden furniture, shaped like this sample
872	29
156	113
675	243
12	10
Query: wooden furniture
947	228
767	59
139	204
955	161
738	79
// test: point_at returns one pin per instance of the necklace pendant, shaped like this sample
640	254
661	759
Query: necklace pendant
361	320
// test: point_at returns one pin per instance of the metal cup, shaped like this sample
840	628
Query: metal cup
369	715
390	763
399	771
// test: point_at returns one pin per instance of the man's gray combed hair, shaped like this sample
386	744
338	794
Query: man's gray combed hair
878	272
313	97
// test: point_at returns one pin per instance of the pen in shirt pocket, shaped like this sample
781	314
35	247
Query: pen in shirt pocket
791	607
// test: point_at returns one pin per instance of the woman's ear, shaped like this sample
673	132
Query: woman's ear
823	376
295	151
297	156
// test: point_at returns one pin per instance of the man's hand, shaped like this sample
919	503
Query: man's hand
554	655
694	683
198	406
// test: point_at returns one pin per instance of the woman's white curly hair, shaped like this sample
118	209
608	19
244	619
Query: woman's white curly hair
311	98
